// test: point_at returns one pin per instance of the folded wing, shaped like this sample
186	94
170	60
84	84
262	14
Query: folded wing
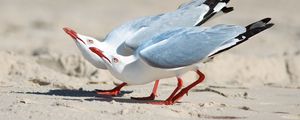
186	46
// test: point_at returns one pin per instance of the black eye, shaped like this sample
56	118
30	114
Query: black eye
116	60
91	41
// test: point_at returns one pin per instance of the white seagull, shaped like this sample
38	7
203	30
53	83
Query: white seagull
164	46
124	40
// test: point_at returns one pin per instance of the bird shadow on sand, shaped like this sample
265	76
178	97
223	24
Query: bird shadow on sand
75	93
87	95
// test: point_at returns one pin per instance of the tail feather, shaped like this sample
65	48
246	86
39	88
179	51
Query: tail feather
215	6
252	30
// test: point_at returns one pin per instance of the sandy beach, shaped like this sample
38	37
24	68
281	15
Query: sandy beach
44	76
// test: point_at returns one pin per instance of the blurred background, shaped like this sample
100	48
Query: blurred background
44	76
32	29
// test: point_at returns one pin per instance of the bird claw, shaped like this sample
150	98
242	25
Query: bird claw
113	92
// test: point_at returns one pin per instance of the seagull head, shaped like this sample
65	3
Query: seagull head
112	60
84	43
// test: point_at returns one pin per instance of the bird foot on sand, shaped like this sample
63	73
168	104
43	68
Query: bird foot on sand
167	102
108	92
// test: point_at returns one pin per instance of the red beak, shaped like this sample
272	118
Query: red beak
73	34
99	53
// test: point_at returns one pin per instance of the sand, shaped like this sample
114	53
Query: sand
44	76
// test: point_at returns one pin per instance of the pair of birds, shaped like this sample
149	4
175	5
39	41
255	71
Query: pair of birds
166	45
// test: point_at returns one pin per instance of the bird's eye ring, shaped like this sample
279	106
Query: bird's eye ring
91	41
116	60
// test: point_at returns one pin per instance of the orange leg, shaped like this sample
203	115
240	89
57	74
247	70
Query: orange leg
184	91
152	95
169	99
112	92
179	86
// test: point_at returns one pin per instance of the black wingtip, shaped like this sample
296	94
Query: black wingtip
261	23
256	28
270	25
259	26
227	9
266	20
226	1
212	4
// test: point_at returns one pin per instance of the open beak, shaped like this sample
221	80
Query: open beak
73	34
99	53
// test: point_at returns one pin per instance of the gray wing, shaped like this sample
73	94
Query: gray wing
137	32
116	39
186	46
165	22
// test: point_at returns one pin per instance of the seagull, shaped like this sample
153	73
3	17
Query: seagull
164	46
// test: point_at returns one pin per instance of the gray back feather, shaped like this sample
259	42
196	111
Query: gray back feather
138	31
186	46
